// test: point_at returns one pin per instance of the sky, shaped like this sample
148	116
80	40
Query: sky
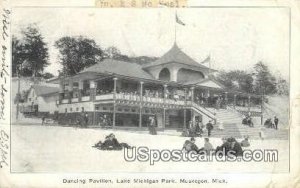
234	38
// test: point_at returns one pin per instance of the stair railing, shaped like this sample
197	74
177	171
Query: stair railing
203	110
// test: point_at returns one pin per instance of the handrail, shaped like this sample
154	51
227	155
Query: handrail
203	110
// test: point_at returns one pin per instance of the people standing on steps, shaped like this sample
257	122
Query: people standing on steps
276	120
221	126
209	127
152	125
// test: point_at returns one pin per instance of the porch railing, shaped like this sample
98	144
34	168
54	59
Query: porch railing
65	101
104	97
85	98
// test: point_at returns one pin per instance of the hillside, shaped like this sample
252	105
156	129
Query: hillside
278	106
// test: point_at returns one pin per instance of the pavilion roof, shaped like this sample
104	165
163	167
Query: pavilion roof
41	90
112	66
207	82
175	54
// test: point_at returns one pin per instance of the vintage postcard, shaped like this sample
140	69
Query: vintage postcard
149	93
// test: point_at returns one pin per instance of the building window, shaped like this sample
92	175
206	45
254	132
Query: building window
66	110
97	108
75	85
77	109
82	109
71	109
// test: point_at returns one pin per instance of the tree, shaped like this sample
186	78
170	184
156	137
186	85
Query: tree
224	78
35	52
282	86
17	55
112	52
264	80
47	75
237	80
76	53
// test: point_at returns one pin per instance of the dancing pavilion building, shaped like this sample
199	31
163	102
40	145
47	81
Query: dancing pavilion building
174	89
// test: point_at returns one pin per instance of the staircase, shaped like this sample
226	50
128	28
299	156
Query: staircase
228	116
233	127
280	134
201	110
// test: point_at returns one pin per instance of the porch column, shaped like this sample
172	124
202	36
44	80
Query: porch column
249	103
164	118
80	88
208	95
192	93
141	104
70	89
261	109
61	90
92	89
234	101
226	99
192	99
185	106
165	92
114	96
164	104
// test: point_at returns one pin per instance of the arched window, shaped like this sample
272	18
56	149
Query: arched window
164	75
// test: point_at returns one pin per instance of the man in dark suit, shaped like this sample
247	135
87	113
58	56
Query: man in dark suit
276	122
209	127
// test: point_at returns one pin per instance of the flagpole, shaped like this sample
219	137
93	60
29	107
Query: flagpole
209	64
175	25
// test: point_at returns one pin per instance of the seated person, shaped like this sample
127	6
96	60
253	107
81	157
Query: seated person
110	143
208	148
185	133
189	145
224	147
245	142
267	123
235	147
245	121
250	123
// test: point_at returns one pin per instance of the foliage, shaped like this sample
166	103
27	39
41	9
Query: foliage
112	52
237	80
30	53
282	86
17	55
260	81
264	81
35	51
77	53
47	75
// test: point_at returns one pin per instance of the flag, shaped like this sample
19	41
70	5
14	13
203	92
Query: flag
179	21
206	59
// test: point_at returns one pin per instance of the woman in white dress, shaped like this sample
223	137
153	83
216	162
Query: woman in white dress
221	127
